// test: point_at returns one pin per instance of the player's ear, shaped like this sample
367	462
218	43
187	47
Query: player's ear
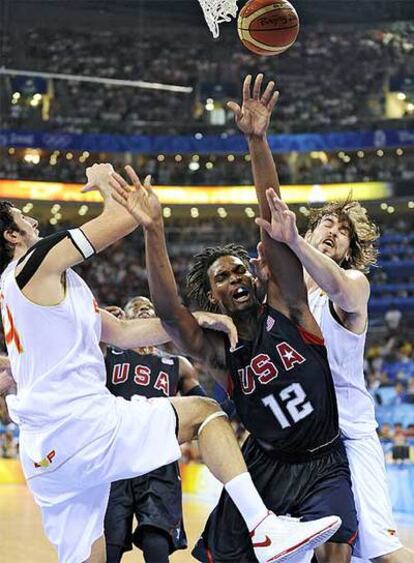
211	297
308	235
11	236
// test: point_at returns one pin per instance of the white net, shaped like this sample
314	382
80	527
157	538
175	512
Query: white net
217	12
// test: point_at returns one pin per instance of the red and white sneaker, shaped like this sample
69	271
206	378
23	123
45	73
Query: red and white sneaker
281	538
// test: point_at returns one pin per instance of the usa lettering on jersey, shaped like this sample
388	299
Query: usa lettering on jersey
262	369
142	376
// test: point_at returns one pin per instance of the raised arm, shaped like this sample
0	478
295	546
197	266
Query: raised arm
286	288
40	272
186	334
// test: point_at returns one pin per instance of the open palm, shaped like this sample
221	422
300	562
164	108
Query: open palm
282	226
253	116
139	200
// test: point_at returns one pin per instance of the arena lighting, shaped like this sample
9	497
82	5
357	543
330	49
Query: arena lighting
194	166
178	158
401	96
194	212
411	204
222	212
209	165
166	211
98	80
11	150
399	152
384	206
249	212
69	156
55	208
390	209
53	221
380	152
160	158
231	157
195	157
198	136
197	195
247	157
360	154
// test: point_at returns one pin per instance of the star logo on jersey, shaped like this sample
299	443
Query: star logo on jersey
288	355
270	323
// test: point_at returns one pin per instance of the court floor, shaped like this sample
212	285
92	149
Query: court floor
22	539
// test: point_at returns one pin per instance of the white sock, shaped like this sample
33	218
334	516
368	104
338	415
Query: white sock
245	496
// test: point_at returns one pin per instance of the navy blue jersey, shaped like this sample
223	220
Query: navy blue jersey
148	375
282	387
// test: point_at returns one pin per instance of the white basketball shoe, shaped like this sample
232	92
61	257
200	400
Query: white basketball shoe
280	538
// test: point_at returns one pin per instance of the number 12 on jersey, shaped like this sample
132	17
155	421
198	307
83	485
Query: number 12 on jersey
293	398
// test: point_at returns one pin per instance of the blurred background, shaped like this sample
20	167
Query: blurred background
144	83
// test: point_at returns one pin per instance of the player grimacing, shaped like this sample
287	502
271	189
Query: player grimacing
279	374
75	437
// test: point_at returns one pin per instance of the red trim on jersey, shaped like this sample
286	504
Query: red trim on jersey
352	538
209	555
310	338
230	385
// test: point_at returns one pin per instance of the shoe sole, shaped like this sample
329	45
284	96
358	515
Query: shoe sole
306	545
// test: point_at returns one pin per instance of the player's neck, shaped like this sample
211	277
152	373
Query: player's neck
145	351
246	323
19	251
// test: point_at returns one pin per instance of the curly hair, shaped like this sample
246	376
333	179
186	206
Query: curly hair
364	232
6	223
198	283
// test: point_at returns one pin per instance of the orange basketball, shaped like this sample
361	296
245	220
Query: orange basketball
268	27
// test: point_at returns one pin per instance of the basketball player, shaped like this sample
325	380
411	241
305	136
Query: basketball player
155	498
75	436
341	237
278	375
337	252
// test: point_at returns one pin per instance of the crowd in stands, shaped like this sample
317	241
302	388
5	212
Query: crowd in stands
320	167
327	81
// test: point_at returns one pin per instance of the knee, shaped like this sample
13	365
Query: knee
205	407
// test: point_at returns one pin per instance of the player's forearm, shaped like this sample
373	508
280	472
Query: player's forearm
111	225
177	320
161	279
329	276
139	333
264	172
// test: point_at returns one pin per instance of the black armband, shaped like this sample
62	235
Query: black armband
197	390
38	252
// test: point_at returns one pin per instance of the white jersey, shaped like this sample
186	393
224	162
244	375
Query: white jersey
62	402
346	356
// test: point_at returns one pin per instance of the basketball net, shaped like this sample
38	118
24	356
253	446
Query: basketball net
217	12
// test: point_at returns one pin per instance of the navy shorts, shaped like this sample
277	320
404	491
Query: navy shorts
155	499
310	490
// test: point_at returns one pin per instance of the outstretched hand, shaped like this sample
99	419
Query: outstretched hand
253	117
283	222
139	199
99	178
218	322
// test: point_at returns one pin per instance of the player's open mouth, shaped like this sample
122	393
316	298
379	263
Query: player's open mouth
328	242
241	295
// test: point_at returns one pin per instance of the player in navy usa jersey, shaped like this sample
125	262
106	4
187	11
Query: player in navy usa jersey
278	374
154	498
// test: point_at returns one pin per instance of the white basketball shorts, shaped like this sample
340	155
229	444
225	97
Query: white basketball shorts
377	531
73	496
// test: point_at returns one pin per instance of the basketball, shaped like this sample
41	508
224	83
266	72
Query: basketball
268	27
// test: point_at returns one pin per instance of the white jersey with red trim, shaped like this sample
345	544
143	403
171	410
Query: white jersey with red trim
346	357
62	402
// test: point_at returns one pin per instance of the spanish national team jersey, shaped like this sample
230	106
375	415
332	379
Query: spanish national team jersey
147	375
62	403
283	389
346	359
